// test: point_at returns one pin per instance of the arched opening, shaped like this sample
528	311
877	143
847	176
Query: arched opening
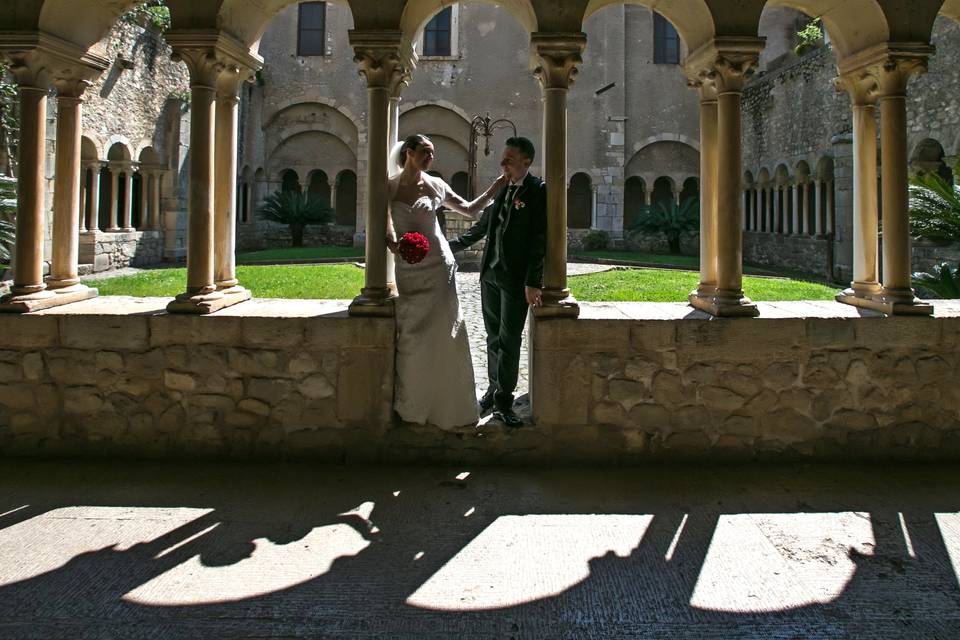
663	192
346	204
690	191
319	185
290	181
580	202
634	199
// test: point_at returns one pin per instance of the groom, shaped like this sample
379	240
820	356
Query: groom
511	272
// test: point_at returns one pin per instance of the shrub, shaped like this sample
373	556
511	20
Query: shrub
595	240
941	280
8	209
934	208
670	219
808	37
296	210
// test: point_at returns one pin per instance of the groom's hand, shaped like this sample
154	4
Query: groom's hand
534	296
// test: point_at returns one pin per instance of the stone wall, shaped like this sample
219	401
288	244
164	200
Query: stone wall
264	234
804	380
808	254
120	376
927	254
108	251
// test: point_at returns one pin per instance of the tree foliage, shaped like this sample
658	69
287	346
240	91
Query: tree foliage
934	208
153	13
296	210
670	219
808	37
8	207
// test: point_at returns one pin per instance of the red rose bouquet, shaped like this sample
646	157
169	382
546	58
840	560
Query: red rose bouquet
413	247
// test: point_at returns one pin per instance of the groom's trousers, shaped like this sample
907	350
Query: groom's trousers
504	315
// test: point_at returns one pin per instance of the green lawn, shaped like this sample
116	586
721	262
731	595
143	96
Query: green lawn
331	281
301	253
343	282
663	285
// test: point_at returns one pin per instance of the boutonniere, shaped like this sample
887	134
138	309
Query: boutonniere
518	203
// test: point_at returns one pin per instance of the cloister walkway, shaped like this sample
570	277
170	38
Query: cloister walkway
201	550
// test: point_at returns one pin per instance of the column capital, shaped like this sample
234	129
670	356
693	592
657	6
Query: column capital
881	71
559	56
725	62
379	54
38	59
215	60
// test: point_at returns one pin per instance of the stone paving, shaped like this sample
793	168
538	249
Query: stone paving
204	550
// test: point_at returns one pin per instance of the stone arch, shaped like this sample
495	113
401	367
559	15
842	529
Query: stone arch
244	20
433	119
302	117
668	137
763	177
318	183
690	190
664	190
580	202
801	171
782	174
416	14
290	181
119	152
345	188
852	25
89	149
670	158
825	169
309	98
691	18
309	150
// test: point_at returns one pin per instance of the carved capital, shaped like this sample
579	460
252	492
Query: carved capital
38	60
379	55
726	63
559	56
883	70
704	86
215	60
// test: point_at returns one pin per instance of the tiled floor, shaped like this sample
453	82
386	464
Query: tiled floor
203	550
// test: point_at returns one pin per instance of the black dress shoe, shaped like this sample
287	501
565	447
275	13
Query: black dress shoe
485	403
508	417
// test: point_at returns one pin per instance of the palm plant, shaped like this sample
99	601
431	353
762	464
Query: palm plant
296	210
942	280
8	208
934	208
670	219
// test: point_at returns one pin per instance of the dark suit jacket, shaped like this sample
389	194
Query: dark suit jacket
524	236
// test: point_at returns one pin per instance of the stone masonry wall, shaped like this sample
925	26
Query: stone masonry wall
655	381
803	253
108	251
300	378
263	234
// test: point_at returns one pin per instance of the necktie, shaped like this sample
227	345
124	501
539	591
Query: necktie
502	218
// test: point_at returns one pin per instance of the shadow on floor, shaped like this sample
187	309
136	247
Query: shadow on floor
162	550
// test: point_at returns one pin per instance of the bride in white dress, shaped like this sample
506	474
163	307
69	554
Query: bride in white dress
434	372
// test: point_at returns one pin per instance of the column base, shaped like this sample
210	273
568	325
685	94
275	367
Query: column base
724	306
233	290
46	299
891	305
557	304
65	285
376	303
205	303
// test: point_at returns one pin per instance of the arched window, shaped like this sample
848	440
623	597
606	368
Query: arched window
347	198
319	185
580	202
691	190
311	29
662	191
438	34
666	41
634	198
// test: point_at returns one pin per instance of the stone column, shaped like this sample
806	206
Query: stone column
154	200
393	136
729	62
771	209
862	88
64	278
29	291
93	195
755	217
128	198
559	58
796	208
707	288
225	196
818	208
831	207
378	53
114	197
897	296
84	199
206	56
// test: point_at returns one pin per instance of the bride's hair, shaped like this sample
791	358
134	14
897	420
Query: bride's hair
410	144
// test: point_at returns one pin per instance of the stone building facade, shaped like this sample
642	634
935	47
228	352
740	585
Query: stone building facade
634	123
798	154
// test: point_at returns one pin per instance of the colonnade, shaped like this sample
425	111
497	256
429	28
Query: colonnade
803	207
219	64
121	211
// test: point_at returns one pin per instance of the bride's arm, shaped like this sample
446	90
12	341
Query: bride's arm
474	208
391	232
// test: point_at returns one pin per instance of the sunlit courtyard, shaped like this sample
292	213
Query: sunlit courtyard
151	550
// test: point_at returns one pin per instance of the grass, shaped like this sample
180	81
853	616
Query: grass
332	281
300	253
662	285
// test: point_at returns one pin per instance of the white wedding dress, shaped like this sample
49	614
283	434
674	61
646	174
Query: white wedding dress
434	373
